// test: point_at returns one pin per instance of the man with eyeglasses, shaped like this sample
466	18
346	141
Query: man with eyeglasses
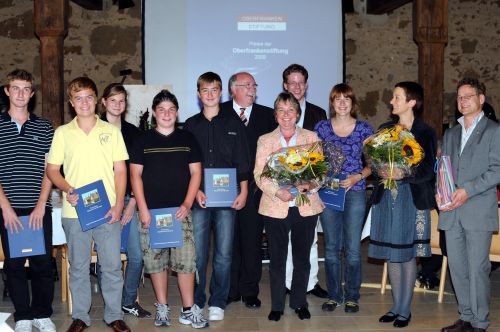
295	81
472	217
223	142
246	265
24	191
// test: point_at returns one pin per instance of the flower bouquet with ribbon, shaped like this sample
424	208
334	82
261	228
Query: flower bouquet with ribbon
445	185
393	150
303	164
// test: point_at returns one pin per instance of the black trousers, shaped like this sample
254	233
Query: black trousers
246	264
301	231
42	278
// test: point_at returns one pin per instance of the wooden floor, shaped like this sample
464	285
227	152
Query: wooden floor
427	314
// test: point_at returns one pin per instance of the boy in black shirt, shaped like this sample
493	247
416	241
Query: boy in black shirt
165	172
222	138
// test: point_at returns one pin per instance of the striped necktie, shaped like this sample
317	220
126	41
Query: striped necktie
242	116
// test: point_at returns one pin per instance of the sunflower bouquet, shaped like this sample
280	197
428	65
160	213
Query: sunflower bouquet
303	164
390	149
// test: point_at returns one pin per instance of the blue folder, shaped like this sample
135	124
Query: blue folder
165	231
124	237
27	242
333	196
93	204
220	186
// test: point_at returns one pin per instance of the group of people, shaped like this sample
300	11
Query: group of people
163	167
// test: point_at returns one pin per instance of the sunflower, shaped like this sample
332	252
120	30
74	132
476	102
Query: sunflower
394	132
315	157
298	164
412	151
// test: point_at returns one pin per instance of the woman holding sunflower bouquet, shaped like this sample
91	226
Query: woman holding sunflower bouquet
288	162
400	225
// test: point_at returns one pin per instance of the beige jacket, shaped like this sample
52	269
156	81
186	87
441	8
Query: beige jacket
270	205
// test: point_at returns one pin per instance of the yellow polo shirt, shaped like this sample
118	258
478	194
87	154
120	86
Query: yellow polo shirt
87	158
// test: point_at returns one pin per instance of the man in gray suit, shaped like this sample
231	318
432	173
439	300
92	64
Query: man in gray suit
472	216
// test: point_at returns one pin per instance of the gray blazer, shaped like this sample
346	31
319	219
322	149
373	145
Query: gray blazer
477	170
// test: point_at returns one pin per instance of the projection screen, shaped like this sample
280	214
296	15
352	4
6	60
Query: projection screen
185	38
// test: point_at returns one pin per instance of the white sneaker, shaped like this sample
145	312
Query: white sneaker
193	317
215	313
24	325
44	324
162	317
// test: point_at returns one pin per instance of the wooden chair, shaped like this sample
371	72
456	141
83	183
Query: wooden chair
65	273
436	250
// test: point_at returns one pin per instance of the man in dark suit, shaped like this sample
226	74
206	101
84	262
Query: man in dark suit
472	217
246	266
295	81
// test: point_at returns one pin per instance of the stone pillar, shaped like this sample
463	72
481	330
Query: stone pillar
51	28
430	31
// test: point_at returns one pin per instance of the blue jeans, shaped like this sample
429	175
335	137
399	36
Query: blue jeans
342	230
135	263
222	220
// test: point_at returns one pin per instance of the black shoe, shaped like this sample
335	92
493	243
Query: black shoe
136	310
303	313
432	282
458	326
402	321
388	317
351	307
319	292
427	281
330	305
251	301
275	315
231	299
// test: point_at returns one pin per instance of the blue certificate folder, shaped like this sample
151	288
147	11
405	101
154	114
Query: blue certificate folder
124	237
220	186
333	196
27	242
165	231
93	204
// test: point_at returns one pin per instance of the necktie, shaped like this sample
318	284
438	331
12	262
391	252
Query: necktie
242	116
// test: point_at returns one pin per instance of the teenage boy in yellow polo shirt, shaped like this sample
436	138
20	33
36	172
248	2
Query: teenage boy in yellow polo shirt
91	149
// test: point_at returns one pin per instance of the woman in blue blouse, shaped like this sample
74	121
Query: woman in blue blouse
342	230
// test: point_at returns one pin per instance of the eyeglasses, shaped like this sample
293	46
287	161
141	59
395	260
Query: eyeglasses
466	98
296	84
248	85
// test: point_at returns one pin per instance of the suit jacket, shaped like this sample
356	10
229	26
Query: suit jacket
422	183
313	114
270	205
261	122
477	170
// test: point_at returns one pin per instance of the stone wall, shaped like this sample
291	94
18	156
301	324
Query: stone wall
380	50
99	43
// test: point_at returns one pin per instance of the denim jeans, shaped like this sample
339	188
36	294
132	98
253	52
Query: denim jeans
342	230
222	221
135	263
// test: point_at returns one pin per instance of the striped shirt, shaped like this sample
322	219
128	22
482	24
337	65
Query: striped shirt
22	159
